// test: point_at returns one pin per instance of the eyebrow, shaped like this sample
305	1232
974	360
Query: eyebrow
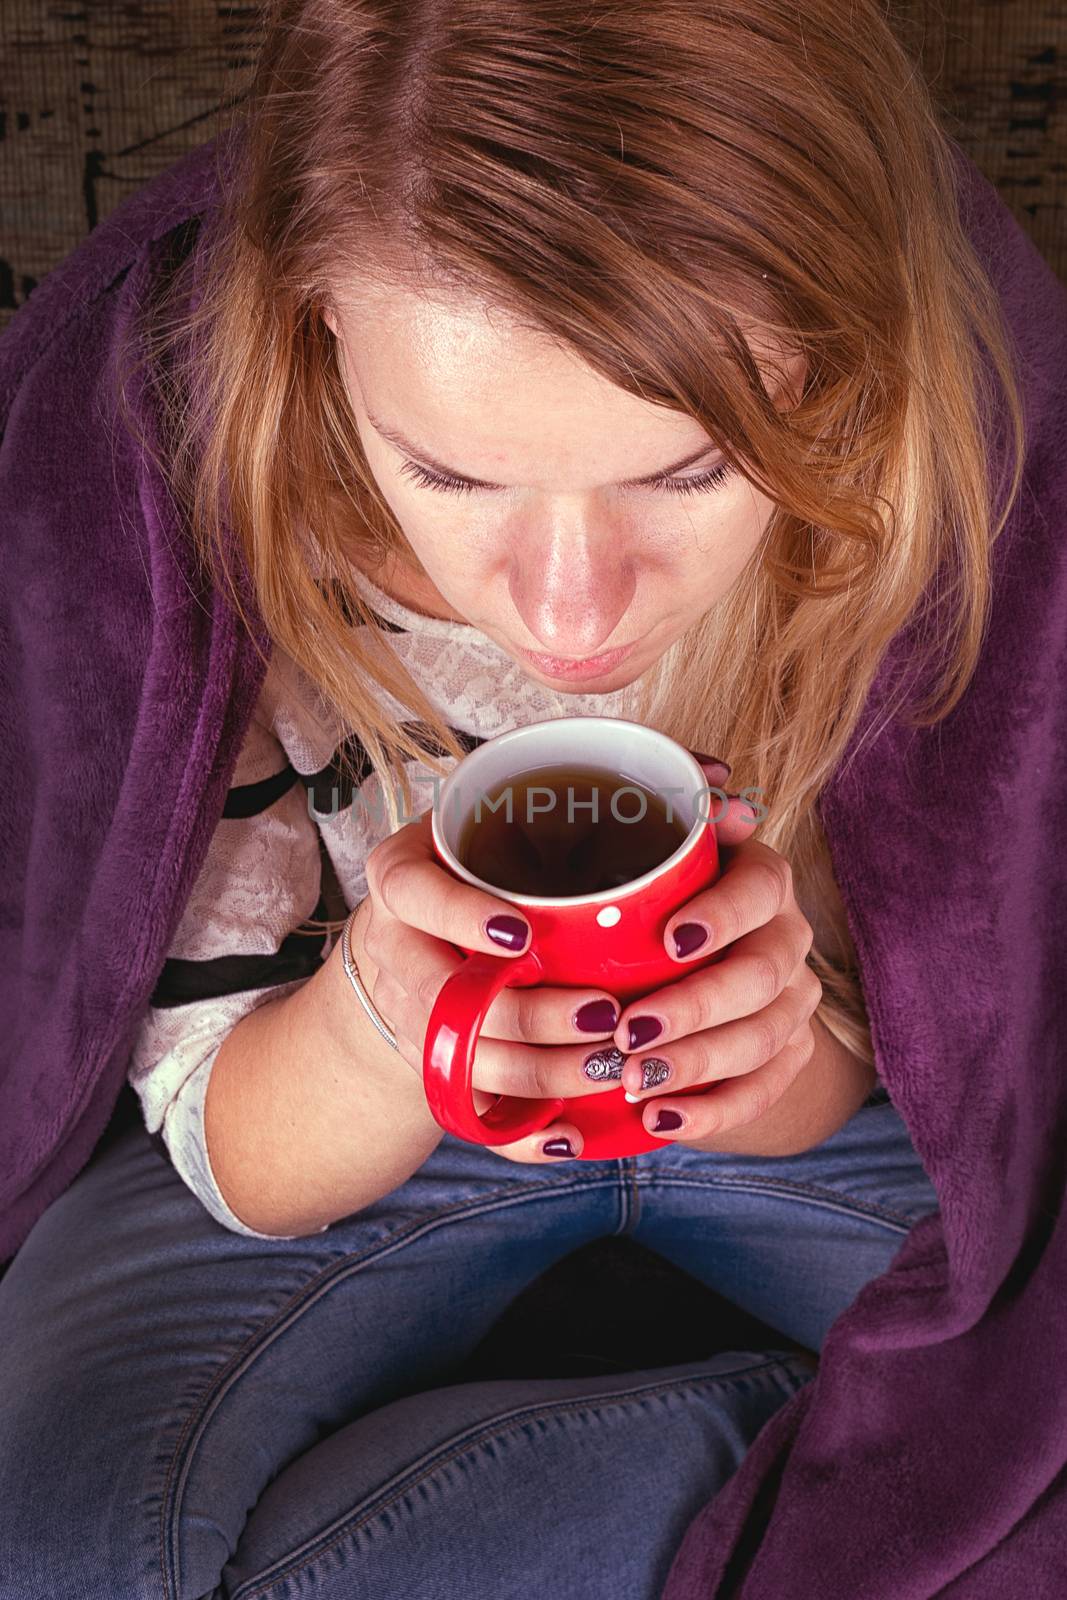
395	437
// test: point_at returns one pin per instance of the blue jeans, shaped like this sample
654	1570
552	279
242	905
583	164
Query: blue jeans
187	1412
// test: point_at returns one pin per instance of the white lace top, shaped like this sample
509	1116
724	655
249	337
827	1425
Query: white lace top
286	822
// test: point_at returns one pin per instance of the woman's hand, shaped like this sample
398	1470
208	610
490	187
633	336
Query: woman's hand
742	1025
534	1041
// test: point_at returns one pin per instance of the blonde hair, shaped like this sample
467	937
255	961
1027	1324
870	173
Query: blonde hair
644	182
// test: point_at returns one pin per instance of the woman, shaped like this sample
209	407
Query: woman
510	343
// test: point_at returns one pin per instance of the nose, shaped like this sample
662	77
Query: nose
572	592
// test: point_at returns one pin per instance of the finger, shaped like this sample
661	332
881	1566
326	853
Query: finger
736	1101
563	1141
502	1066
715	770
755	885
406	876
751	974
734	816
535	1014
532	1148
735	823
732	1050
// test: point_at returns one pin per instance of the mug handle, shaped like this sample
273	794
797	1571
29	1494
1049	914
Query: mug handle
448	1053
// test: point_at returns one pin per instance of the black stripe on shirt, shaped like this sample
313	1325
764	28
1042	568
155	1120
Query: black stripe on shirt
249	799
298	956
330	789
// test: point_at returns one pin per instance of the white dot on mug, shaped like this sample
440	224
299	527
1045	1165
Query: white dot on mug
608	916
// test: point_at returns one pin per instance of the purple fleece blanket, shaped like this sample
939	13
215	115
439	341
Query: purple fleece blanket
927	1457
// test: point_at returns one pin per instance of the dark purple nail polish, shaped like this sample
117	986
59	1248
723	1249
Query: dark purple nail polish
558	1147
642	1031
605	1063
689	936
667	1120
508	931
596	1016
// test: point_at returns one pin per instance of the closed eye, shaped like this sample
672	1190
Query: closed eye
699	483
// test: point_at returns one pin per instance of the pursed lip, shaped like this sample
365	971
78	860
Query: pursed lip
590	667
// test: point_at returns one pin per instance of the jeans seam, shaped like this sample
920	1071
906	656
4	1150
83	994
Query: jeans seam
790	1189
301	1301
444	1454
630	1208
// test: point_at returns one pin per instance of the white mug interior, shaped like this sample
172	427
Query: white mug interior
639	754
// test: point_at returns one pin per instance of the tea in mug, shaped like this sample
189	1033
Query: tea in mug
569	830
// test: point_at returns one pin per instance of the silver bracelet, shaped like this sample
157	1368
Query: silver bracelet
357	983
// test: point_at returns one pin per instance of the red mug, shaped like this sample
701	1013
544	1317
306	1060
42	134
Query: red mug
612	939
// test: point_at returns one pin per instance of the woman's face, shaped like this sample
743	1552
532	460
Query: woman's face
556	548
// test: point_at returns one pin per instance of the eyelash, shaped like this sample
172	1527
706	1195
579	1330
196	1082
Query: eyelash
700	484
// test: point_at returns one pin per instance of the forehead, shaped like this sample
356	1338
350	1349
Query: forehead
428	330
424	359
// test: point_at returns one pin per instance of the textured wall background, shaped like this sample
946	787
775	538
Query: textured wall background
96	98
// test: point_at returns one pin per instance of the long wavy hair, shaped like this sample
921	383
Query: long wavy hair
647	181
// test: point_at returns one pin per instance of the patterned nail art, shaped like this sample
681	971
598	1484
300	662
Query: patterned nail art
607	1063
654	1071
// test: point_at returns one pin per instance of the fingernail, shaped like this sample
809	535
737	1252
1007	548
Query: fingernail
642	1031
654	1071
557	1147
666	1121
597	1016
689	936
511	932
606	1063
